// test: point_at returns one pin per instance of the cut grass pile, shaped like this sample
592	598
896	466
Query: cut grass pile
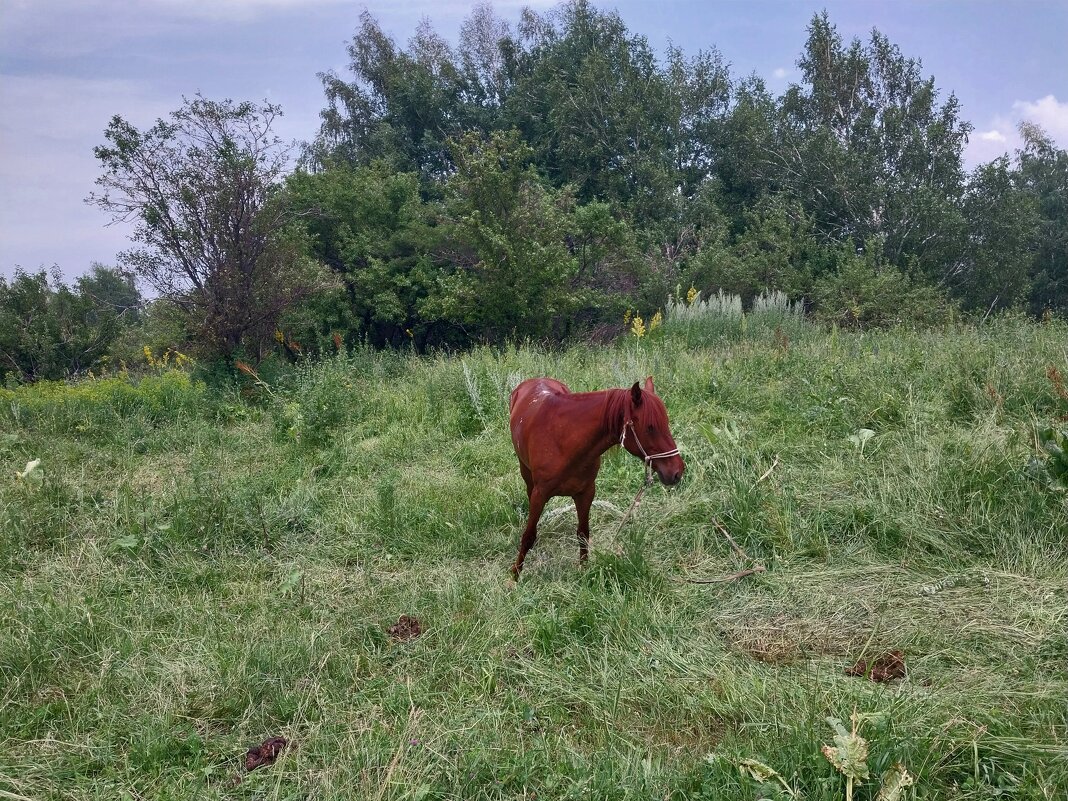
187	574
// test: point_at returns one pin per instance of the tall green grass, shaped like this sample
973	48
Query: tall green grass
182	578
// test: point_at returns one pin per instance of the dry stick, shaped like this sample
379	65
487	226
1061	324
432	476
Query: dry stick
634	503
737	548
749	571
767	472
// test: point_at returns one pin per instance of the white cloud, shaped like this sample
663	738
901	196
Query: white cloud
780	72
1002	136
1050	114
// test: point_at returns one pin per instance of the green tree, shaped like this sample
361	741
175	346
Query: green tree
776	249
996	261
369	226
592	102
511	272
604	250
402	106
1043	174
113	290
50	331
700	97
864	291
605	121
872	155
487	52
214	237
747	164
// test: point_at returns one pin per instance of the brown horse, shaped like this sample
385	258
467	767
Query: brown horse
559	437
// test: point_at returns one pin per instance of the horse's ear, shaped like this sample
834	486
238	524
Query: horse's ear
649	384
636	394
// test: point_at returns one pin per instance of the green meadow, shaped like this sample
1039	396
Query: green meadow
192	569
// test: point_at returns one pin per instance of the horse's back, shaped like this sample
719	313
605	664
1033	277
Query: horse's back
527	408
533	390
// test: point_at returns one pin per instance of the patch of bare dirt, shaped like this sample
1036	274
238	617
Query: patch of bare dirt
265	753
887	667
406	628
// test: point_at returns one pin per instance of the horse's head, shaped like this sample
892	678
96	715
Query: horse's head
649	435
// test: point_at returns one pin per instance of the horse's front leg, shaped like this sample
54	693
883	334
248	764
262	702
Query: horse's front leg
583	502
530	533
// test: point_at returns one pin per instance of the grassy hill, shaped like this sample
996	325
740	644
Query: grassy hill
188	572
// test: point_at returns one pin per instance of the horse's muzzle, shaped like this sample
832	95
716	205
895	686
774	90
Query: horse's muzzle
670	476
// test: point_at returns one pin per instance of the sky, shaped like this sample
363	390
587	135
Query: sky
68	66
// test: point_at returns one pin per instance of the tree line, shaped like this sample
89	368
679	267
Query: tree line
537	180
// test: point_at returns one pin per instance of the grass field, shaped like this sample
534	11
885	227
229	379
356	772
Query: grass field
189	572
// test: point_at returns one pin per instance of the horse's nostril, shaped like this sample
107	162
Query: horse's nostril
672	478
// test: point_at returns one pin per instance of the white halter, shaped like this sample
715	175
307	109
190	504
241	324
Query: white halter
648	457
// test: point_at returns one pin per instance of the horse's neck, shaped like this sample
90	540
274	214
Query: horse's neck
614	408
601	414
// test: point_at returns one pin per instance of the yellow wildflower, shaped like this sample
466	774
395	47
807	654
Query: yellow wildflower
654	323
637	327
279	337
691	295
626	317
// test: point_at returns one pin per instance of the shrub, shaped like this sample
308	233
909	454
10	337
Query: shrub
49	330
720	317
322	399
866	292
96	406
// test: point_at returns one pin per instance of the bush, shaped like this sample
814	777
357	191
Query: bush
720	318
50	331
97	406
323	398
866	292
775	251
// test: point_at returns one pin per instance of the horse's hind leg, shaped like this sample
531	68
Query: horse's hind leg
583	502
530	533
528	478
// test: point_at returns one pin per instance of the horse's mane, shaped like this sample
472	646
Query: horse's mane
617	410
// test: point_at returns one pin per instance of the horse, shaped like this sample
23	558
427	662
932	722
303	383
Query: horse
559	437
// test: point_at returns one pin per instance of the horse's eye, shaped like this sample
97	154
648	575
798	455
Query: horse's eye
652	429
